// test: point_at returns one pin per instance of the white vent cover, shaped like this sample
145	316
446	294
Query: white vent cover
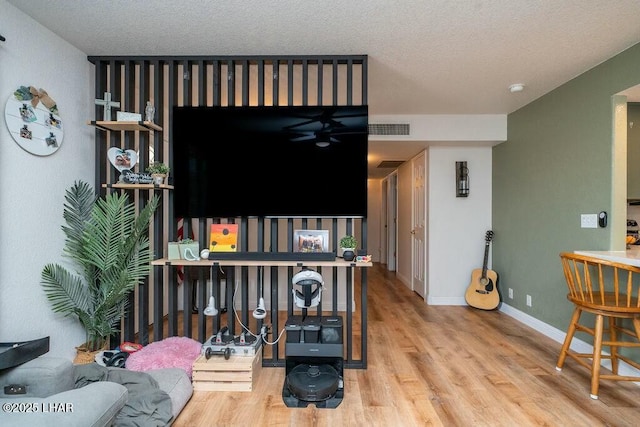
389	129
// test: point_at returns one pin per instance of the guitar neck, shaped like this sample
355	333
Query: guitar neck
486	260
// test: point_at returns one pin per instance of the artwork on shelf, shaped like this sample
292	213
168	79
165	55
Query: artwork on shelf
223	238
33	122
149	112
122	159
129	177
311	240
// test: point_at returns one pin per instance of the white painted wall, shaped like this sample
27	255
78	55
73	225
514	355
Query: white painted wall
457	225
33	188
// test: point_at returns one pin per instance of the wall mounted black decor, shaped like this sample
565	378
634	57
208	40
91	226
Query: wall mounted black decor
462	179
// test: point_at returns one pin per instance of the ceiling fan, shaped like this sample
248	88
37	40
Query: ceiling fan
323	136
323	128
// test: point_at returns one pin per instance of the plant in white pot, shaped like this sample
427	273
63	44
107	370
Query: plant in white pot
108	243
348	244
159	172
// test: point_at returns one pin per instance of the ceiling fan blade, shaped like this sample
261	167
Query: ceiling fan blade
333	124
297	125
303	138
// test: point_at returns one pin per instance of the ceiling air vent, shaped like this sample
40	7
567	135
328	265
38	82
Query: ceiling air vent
390	164
389	129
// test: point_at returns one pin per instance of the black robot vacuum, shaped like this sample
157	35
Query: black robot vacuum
313	383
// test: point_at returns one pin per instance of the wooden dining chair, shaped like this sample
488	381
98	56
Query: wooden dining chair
609	291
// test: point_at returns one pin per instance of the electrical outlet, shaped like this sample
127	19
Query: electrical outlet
589	220
510	293
529	300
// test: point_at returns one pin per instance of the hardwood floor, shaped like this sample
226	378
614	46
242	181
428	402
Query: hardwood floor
437	366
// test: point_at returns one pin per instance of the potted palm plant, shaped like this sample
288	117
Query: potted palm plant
159	172
108	243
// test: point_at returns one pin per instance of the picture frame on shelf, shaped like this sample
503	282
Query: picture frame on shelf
223	238
311	240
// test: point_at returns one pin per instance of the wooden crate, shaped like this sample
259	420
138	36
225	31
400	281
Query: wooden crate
238	373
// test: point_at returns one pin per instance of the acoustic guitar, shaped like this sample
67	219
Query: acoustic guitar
482	292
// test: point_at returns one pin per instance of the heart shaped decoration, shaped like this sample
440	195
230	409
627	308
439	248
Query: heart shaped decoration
122	159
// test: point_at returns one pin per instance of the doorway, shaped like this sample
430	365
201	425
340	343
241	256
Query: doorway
418	225
389	221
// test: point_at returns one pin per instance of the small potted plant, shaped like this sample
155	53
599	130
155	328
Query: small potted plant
189	249
159	171
348	244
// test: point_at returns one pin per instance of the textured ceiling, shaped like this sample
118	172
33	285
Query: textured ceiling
425	56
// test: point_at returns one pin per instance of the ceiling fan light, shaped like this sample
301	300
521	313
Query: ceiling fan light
322	144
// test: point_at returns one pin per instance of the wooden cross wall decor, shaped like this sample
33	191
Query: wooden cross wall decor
107	103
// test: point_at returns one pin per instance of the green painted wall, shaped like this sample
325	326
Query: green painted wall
555	165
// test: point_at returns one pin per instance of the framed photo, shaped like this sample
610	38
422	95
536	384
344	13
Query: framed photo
311	240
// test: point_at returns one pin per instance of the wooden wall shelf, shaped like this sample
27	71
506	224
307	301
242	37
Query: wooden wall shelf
127	126
338	262
138	186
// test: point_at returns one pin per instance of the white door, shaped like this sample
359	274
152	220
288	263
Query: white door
392	223
384	218
418	226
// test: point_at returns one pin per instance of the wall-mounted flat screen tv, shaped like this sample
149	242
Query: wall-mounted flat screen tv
270	161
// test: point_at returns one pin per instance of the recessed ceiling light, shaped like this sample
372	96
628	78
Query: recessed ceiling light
516	87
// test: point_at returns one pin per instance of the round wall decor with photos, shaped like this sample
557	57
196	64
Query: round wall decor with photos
33	121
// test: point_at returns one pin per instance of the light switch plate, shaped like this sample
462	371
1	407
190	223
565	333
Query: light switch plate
589	221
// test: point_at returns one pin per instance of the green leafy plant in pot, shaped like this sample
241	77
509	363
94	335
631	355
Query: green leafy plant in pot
159	171
108	244
348	244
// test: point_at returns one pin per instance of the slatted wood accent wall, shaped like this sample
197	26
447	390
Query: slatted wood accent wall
214	81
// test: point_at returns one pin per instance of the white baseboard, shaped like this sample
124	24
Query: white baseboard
557	335
446	300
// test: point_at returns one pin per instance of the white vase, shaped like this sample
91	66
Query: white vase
158	178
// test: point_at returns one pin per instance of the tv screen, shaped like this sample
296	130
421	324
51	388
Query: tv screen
270	161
